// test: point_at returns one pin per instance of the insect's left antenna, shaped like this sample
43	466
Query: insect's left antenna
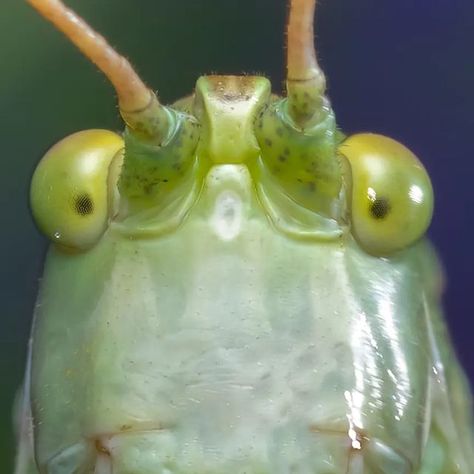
305	83
139	105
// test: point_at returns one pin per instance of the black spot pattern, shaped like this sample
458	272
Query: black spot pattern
83	204
379	208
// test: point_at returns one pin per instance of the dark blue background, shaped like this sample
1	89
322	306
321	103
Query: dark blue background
404	68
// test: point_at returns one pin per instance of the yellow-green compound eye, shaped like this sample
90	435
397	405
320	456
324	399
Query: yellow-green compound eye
392	197
70	198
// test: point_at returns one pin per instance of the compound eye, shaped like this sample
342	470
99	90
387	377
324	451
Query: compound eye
392	197
71	193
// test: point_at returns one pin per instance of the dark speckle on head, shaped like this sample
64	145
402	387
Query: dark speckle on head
149	188
268	142
379	208
83	204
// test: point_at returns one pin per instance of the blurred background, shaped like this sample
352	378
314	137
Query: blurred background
403	68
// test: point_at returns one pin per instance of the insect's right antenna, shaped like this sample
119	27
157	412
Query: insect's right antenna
306	83
138	105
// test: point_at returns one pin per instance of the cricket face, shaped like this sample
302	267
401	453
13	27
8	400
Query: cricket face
368	184
215	280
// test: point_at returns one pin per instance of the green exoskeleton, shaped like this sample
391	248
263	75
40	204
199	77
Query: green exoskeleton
234	286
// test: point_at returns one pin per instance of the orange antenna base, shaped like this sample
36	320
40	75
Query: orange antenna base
306	82
136	101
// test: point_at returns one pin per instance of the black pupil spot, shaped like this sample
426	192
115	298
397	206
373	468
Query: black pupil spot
83	205
379	208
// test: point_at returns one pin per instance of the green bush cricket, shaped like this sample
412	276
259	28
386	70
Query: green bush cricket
259	291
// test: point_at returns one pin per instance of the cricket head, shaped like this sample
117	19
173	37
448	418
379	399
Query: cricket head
367	185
